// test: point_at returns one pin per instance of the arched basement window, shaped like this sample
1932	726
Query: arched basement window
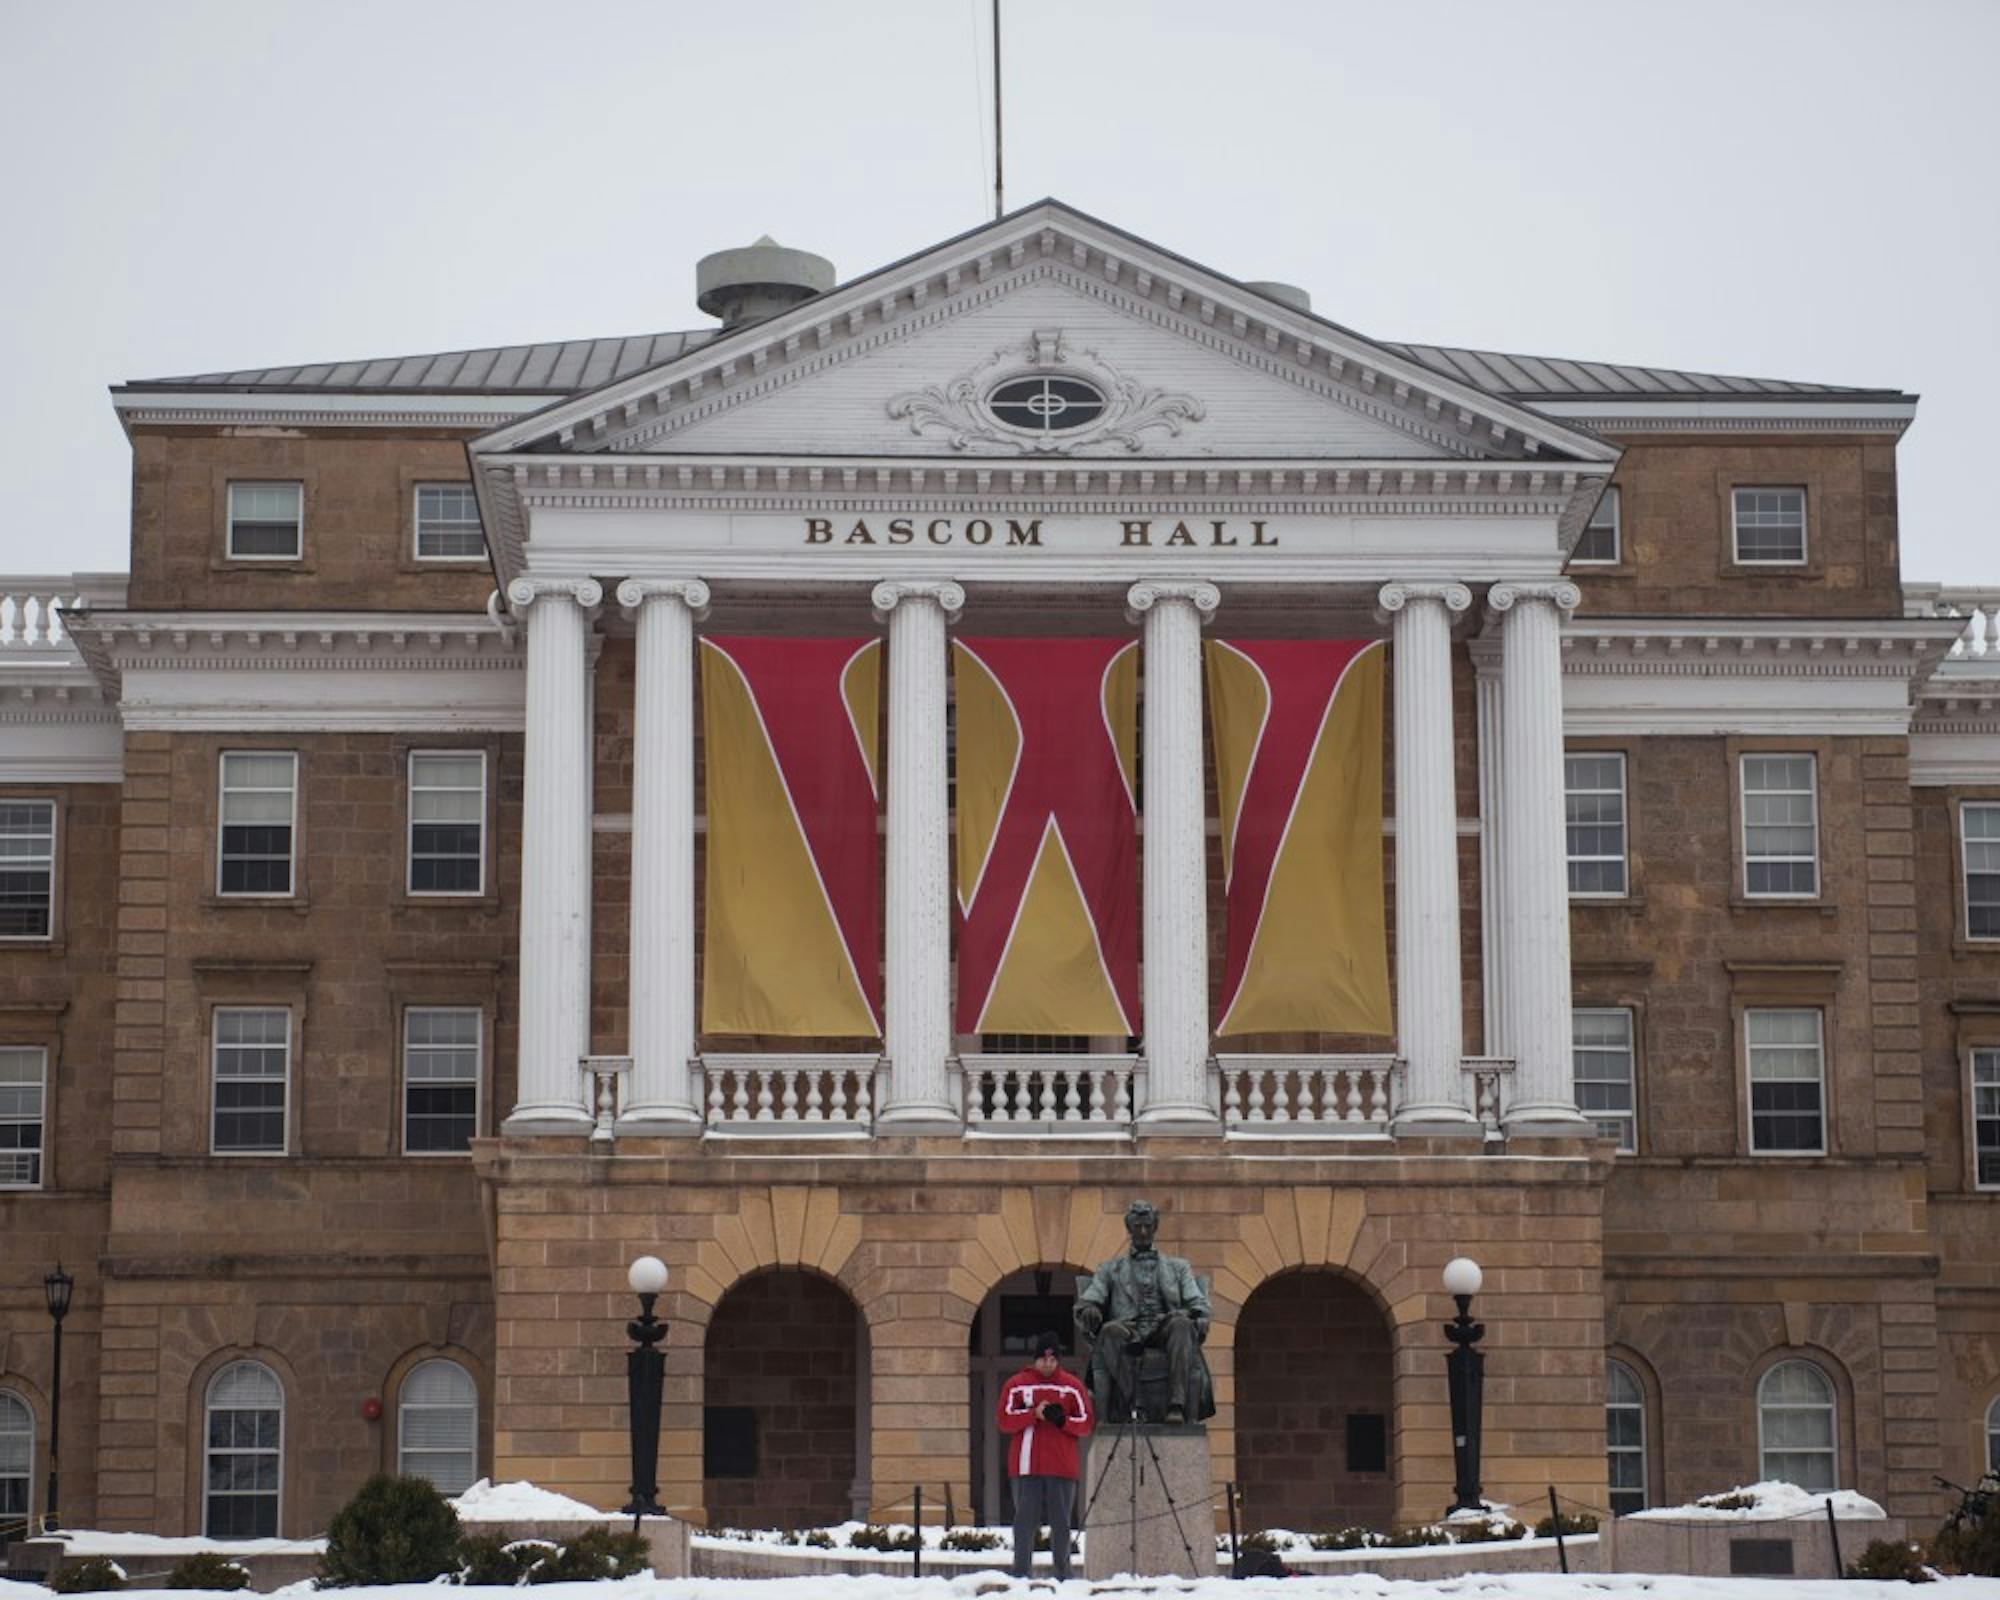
244	1429
1795	1426
437	1427
1625	1437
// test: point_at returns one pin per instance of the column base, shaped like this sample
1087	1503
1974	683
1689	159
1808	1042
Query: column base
1192	1120
1440	1120
913	1119
659	1122
559	1119
1547	1119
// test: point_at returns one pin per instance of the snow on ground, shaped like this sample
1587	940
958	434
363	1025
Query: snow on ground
91	1542
523	1502
1774	1501
831	1586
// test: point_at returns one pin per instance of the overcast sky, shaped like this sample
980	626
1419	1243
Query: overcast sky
1798	190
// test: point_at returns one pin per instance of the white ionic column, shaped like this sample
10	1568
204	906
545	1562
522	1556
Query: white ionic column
1429	1024
1174	952
1493	983
662	1095
555	858
1534	891
917	946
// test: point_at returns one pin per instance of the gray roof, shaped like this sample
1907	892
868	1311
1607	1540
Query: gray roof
572	366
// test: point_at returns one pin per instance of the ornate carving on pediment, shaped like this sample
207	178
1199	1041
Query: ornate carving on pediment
958	410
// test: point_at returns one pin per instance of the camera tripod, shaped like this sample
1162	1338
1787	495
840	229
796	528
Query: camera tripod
1125	1436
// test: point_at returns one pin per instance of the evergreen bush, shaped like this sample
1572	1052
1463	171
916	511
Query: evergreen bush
91	1575
1891	1559
208	1569
490	1560
394	1530
601	1552
1583	1522
1971	1545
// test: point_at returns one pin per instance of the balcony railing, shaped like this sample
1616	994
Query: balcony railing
32	607
1329	1096
790	1094
1024	1093
1980	642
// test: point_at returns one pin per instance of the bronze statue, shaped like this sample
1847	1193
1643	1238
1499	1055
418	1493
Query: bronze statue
1140	1302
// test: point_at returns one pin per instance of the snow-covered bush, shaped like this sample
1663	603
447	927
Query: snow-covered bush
207	1569
394	1530
92	1575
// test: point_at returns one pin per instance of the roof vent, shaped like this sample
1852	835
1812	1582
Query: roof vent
758	281
1288	293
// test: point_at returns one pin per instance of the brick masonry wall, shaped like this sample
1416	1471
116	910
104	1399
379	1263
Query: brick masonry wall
785	1344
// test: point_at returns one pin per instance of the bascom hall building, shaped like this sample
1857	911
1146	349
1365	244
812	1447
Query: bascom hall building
848	798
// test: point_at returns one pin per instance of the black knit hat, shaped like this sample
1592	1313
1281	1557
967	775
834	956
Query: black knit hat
1048	1344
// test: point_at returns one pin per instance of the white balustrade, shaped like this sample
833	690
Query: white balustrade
606	1082
1002	1091
32	607
786	1095
1488	1074
1979	607
1319	1096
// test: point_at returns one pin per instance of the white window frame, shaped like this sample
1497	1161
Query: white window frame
417	524
410	825
1750	1081
208	1409
1811	791
27	1410
41	1122
404	1449
1983	1090
222	791
55	823
1624	857
1613	1365
478	1073
1736	525
215	1077
1616	524
1967	809
1993	1435
1832	1417
1628	1140
298	549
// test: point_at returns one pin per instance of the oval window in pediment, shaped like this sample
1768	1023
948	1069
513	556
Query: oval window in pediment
1046	404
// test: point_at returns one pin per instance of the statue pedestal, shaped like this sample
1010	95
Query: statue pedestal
1131	1526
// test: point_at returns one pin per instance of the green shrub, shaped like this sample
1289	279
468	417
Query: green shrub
89	1576
872	1537
970	1539
1728	1502
1582	1523
208	1569
1487	1530
1345	1539
1891	1559
1973	1548
1409	1538
490	1560
1262	1542
394	1530
601	1552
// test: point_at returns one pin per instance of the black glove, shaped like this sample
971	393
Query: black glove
1201	1330
1090	1319
1053	1413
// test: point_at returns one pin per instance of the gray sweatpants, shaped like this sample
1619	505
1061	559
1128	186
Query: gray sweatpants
1039	1500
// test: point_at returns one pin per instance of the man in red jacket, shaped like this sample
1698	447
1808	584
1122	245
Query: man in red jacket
1044	1411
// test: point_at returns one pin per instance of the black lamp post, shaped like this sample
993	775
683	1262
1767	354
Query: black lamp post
645	1381
1465	1369
58	1286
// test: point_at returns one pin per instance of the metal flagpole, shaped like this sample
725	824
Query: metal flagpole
999	188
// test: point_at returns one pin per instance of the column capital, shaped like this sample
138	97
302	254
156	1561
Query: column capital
524	592
1560	593
1395	597
1149	592
892	592
633	593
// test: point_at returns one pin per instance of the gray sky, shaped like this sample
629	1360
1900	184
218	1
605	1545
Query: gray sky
1796	190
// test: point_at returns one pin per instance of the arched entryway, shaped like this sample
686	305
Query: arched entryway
1020	1308
782	1428
1314	1412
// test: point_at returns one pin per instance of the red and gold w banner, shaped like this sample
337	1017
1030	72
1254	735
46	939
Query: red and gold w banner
1298	771
1047	848
791	730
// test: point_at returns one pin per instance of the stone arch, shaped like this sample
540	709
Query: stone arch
1314	1395
774	1225
291	1450
784	1364
1652	1413
993	1356
29	1396
392	1395
1845	1421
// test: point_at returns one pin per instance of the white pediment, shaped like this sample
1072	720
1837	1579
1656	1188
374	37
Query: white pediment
905	363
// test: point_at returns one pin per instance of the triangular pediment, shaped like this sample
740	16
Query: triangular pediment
1161	358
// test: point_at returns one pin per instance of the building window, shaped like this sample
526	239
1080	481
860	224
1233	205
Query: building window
1046	404
265	520
17	1462
1599	545
447	822
1601	1058
1980	827
1625	1438
1770	527
1780	827
23	1090
437	1426
1787	1065
448	523
28	868
244	1429
1993	1437
440	1079
1594	802
1986	1118
253	1069
259	803
1795	1430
